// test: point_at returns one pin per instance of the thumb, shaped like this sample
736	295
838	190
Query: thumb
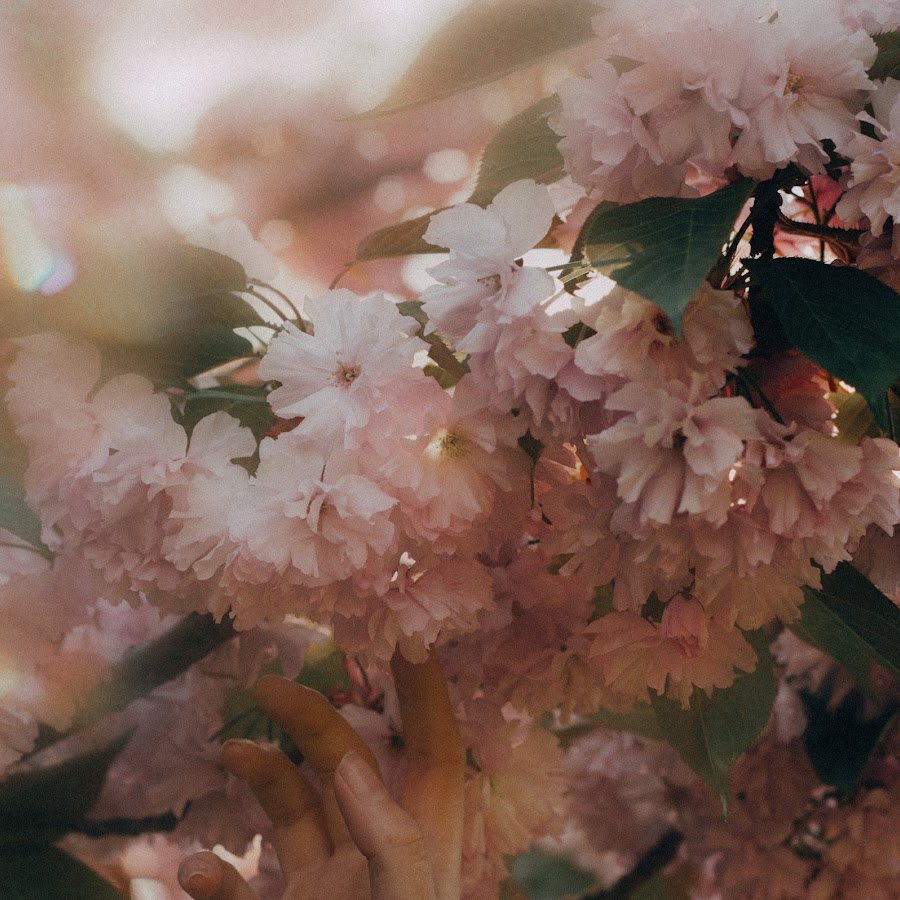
206	877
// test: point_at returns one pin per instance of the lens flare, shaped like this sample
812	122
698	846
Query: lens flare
28	260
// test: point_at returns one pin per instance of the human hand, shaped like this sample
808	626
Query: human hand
352	841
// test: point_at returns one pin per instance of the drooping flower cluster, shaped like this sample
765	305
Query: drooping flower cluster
584	509
682	92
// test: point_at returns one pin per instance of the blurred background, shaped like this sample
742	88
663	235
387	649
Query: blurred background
128	122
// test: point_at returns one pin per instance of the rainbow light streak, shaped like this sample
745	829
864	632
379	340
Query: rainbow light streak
27	258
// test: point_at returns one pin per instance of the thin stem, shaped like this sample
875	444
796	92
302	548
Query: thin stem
652	862
341	274
265	300
751	383
212	394
27	547
278	294
123	827
142	670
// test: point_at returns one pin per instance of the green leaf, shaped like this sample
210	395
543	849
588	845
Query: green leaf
323	670
42	805
199	348
524	148
402	239
640	721
46	873
544	876
842	318
887	62
246	402
663	248
16	516
854	419
841	742
577	333
853	622
717	729
658	887
487	41
894	413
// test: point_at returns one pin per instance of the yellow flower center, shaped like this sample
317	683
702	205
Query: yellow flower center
345	375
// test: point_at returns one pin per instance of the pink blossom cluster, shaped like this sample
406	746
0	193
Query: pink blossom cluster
402	515
681	93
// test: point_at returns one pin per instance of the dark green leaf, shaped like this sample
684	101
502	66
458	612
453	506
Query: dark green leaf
663	248
658	888
247	403
853	622
204	347
841	742
887	62
526	147
577	333
544	876
41	806
717	729
16	516
487	41
842	318
46	873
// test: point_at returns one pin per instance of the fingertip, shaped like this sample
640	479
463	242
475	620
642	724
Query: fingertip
270	686
241	757
200	874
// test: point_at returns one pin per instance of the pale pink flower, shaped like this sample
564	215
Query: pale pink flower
447	477
873	185
426	602
753	598
623	790
312	515
356	369
512	796
673	450
807	82
531	650
874	16
687	649
606	147
635	339
518	372
481	287
878	558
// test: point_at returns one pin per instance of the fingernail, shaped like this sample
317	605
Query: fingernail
357	774
198	874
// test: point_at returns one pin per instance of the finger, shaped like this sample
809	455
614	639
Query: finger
301	836
436	765
386	834
320	733
206	877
